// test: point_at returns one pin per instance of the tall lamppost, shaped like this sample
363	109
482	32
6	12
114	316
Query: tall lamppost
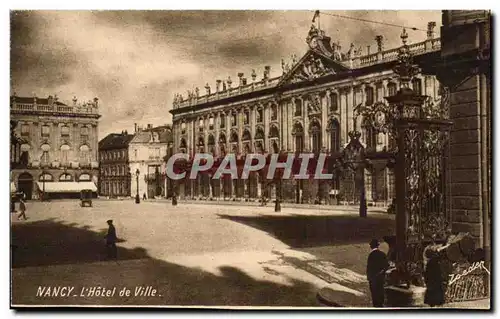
137	197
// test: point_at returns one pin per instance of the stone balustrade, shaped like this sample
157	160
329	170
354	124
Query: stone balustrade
429	45
55	108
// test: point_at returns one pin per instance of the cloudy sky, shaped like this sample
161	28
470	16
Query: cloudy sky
135	61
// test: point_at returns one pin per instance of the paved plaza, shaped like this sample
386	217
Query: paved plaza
193	254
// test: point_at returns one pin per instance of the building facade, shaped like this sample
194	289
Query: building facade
114	163
148	151
311	107
59	142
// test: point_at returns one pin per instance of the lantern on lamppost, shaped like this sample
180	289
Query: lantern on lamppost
137	197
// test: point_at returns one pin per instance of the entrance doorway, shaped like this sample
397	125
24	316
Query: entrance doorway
25	184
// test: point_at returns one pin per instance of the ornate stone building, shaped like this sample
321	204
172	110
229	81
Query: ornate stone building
148	151
59	144
114	158
311	107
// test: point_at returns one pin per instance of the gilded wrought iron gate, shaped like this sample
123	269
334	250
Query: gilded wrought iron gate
422	188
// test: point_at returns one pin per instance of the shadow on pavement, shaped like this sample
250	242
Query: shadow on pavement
71	251
49	242
302	231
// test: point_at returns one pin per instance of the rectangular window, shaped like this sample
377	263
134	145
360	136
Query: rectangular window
65	131
260	116
25	130
369	96
85	131
222	121
274	113
391	87
45	158
64	157
45	130
417	86
246	118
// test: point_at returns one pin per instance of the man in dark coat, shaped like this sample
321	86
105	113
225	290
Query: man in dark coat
375	271
434	282
111	240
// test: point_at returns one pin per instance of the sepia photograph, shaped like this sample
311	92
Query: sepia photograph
251	159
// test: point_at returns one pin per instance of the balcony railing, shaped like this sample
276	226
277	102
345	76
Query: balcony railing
429	45
49	108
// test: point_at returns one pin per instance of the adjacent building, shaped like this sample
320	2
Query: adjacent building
148	151
57	145
114	163
311	107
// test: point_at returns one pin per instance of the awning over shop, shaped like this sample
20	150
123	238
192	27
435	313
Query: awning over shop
66	187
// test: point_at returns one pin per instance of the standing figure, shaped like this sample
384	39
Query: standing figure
375	271
433	275
22	208
144	196
174	199
111	240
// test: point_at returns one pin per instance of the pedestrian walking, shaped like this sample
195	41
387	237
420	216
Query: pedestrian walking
144	196
375	271
111	240
174	199
22	208
433	276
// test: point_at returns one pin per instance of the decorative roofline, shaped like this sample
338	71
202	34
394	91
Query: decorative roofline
356	62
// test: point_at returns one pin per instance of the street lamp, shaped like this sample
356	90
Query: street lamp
137	198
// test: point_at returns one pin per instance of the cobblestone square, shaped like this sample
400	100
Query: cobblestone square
193	254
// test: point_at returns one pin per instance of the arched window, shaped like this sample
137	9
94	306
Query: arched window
316	136
259	133
274	132
45	160
298	132
246	136
334	136
369	95
84	154
84	177
234	138
370	135
274	147
46	177
65	155
334	102
65	177
25	154
298	107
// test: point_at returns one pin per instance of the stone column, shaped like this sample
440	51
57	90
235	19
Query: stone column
470	111
305	114
324	119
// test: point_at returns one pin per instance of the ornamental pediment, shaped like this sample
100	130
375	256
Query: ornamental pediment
312	66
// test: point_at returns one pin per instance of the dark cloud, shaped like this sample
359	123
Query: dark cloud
34	62
135	61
